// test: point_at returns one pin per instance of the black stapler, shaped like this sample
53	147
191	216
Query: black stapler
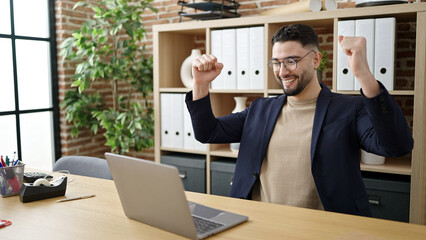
33	191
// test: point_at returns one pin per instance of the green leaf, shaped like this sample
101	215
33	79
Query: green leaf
80	67
97	10
123	120
77	35
113	31
79	4
81	88
76	83
121	116
94	128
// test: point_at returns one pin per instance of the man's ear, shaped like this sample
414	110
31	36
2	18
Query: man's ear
317	59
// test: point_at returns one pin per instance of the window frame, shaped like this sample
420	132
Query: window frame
54	80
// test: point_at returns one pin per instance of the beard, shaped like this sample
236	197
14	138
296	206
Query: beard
302	81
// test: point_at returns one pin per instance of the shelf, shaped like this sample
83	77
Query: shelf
185	90
235	91
224	152
182	150
174	90
392	92
401	165
275	91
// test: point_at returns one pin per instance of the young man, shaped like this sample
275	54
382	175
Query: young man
302	148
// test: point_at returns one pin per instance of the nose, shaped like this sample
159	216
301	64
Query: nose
283	70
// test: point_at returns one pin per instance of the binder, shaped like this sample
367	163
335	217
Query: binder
257	58
366	28
189	140
188	131
345	77
229	54
243	58
216	50
166	115
384	53
177	102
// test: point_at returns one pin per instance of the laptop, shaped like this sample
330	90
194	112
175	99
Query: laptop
153	194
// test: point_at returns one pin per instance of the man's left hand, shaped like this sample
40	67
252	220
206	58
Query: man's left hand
356	50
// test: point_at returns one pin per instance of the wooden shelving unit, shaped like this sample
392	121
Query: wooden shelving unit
173	43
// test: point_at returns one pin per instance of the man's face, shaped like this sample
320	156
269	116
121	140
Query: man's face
293	81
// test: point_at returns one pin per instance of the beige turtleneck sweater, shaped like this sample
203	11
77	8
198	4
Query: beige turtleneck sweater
285	176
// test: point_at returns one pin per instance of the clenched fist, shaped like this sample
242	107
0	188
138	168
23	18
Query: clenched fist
204	70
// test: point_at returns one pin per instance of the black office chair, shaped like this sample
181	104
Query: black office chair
83	165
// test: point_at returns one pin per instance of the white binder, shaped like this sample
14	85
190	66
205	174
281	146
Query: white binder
366	28
345	77
216	50
256	58
189	140
384	54
229	54
188	131
243	58
176	120
166	115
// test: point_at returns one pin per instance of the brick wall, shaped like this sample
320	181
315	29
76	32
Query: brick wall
68	20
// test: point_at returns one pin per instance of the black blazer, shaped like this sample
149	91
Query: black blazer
342	125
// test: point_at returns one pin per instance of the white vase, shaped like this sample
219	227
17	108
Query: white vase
240	105
186	68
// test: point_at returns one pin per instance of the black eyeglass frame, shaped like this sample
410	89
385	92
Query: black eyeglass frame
275	61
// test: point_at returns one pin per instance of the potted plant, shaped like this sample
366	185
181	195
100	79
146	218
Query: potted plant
323	65
110	48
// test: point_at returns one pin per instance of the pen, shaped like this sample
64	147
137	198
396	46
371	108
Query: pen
13	159
7	161
17	160
2	161
75	198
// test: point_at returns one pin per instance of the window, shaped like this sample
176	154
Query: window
29	112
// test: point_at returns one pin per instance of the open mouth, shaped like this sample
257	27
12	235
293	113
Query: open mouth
288	79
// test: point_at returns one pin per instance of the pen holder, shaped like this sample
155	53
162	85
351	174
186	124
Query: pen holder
11	180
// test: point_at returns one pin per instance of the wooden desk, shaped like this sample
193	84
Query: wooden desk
102	217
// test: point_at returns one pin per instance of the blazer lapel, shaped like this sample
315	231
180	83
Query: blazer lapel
324	99
273	113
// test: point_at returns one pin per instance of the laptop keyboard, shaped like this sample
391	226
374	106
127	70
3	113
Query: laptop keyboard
203	225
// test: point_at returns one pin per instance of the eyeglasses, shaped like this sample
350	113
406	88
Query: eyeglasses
289	63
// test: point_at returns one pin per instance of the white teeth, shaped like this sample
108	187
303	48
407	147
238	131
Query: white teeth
289	80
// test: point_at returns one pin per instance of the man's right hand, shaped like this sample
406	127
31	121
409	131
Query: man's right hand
204	70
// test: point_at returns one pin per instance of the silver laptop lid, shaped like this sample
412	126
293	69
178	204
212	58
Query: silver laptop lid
152	194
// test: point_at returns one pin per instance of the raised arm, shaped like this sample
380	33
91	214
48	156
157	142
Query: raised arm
356	50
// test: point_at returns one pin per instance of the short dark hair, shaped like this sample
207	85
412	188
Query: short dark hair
301	33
